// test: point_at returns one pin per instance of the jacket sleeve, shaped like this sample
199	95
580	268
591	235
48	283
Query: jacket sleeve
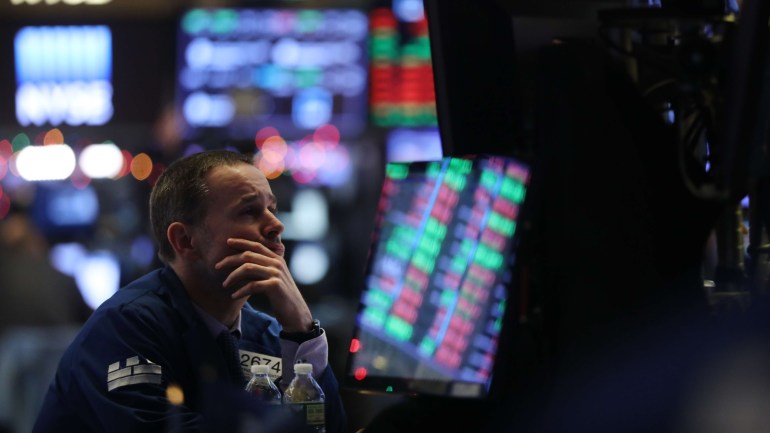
114	378
315	352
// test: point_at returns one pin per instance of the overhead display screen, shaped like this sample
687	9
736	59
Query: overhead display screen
243	69
63	75
402	92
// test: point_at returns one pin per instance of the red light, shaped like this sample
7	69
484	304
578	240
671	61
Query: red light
355	344
327	135
5	205
6	149
360	373
127	158
263	134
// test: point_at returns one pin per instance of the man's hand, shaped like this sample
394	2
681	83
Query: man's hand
258	270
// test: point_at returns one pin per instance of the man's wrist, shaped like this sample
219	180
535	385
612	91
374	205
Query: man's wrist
301	337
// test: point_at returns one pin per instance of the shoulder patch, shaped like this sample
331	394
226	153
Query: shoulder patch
135	370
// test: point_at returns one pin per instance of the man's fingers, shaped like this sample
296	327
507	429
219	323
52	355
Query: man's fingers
247	245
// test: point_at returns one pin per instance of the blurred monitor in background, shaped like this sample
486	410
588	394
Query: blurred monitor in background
63	75
63	211
33	293
401	93
41	310
242	69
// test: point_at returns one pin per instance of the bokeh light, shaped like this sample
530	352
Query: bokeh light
100	161
98	277
303	177
263	134
355	345
327	134
311	156
141	166
143	250
66	256
309	263
317	159
274	149
126	167
309	219
12	164
6	148
271	170
3	166
195	21
52	162
20	141
360	373
78	179
54	136
5	204
175	395
193	149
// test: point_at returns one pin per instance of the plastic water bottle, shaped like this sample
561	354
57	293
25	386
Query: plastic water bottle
305	399
262	387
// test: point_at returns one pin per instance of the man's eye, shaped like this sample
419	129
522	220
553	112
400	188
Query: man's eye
273	209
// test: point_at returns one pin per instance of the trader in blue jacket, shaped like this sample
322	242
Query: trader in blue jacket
170	351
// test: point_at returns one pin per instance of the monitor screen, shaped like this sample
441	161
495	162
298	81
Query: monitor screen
439	277
401	73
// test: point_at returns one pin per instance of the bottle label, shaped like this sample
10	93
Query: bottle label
310	413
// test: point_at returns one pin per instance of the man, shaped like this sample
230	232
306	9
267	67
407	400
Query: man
213	215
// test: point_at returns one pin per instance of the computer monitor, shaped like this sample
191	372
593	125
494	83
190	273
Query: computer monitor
439	277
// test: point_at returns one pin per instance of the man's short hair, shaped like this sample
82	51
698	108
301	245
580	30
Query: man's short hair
180	193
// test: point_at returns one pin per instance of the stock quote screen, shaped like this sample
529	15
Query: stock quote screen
438	277
401	92
242	69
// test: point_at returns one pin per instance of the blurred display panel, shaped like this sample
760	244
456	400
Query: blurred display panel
439	272
63	75
62	210
240	70
407	145
402	91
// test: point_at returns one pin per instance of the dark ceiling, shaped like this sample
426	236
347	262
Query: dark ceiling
87	10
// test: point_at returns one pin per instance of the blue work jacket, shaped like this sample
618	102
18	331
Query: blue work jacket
147	338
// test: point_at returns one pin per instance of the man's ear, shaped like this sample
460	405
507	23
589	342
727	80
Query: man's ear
180	237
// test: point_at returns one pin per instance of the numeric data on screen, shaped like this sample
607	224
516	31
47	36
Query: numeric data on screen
437	281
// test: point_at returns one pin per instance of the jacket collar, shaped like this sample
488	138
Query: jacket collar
203	351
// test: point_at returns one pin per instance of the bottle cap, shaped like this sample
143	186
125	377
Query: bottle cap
303	368
259	369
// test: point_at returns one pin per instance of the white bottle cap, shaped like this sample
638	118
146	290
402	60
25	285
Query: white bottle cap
259	369
303	368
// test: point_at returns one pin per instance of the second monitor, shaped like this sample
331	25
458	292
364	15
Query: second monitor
438	278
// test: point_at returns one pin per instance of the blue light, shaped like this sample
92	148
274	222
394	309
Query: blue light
408	145
408	10
312	107
143	250
73	207
63	54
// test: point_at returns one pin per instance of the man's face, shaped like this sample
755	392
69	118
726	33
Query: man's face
240	204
